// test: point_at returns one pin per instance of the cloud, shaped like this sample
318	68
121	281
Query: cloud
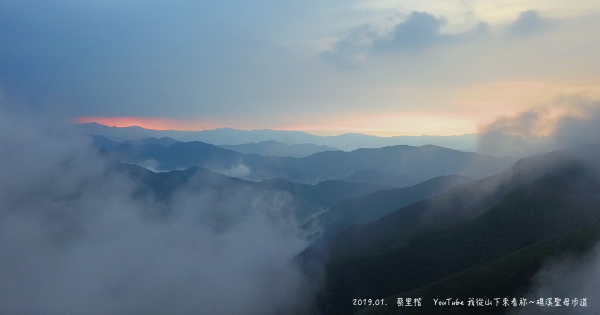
352	49
239	170
569	122
567	278
529	23
420	31
154	166
75	238
225	64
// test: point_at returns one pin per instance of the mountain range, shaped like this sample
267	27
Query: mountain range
229	136
272	147
264	148
369	207
389	178
497	280
485	238
419	163
447	236
305	200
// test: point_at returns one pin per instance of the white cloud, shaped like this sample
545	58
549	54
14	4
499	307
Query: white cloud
75	239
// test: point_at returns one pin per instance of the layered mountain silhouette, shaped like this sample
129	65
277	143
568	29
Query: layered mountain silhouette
407	161
104	143
275	148
365	208
229	136
305	200
380	177
468	232
507	276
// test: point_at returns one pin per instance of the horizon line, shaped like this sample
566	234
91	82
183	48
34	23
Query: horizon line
314	132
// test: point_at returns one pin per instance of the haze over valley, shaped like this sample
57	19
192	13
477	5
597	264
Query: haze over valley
308	158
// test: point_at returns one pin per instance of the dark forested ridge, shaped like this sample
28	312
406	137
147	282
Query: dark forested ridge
380	177
509	276
305	200
472	225
276	148
362	209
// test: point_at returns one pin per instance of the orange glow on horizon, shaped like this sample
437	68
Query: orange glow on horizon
147	123
398	124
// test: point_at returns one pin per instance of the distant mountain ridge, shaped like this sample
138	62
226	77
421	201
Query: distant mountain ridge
229	136
387	178
308	200
105	143
275	148
417	162
421	162
538	199
373	206
263	148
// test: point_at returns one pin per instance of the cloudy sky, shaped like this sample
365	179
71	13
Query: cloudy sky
380	66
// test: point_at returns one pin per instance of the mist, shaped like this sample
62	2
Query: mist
568	122
75	238
567	278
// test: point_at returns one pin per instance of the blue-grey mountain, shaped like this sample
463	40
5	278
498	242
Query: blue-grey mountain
229	136
416	162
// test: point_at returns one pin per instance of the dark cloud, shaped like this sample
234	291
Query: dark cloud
529	23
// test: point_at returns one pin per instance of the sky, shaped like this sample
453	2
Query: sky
381	67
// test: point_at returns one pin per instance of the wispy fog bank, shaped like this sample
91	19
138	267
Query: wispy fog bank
74	239
570	121
569	278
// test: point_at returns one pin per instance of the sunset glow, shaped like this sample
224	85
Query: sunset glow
350	69
398	124
395	124
148	123
277	157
